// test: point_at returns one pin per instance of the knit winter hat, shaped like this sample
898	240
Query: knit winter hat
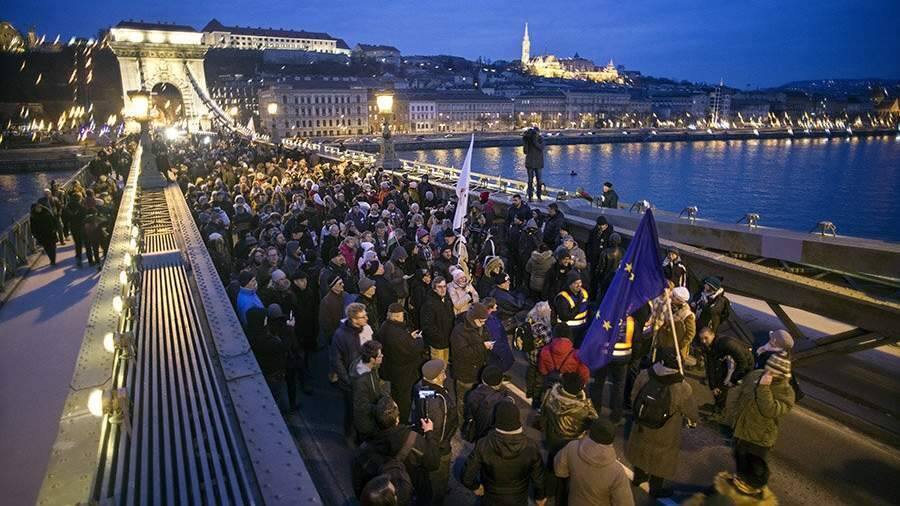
602	431
278	275
395	308
478	311
531	224
572	383
275	311
714	282
501	278
779	365
571	277
781	340
365	283
681	293
433	368
506	417
244	277
420	233
492	376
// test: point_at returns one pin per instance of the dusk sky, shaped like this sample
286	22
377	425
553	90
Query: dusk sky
753	43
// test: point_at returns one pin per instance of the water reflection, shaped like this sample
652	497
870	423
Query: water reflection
792	183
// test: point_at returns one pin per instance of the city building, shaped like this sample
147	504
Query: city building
585	108
566	68
672	105
545	108
389	55
237	96
451	111
217	35
314	108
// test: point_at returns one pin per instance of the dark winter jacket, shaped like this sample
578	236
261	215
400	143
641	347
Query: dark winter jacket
501	355
523	212
440	409
345	348
480	404
597	241
610	200
393	272
538	266
505	464
43	225
508	303
424	456
436	320
270	350
331	312
533	147
367	388
467	349
728	360
552	227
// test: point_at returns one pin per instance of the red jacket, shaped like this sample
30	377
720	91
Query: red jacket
553	355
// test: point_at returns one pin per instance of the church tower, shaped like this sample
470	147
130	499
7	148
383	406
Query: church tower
526	48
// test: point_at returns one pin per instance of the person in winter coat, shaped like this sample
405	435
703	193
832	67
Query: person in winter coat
579	257
501	355
610	199
505	463
711	305
566	412
437	320
433	402
598	240
419	288
293	257
367	388
674	269
74	214
608	263
394	272
404	354
654	453
748	486
555	221
493	268
533	147
595	476
556	277
478	413
367	297
247	298
508	303
306	328
269	349
346	347
331	309
468	348
685	328
461	291
727	361
537	266
421	455
764	397
560	355
44	227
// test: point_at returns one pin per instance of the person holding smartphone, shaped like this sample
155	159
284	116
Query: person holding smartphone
404	354
433	402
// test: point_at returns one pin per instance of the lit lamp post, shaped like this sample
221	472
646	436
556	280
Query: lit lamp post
388	158
272	109
139	107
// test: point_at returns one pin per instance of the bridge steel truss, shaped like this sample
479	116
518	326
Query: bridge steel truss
194	421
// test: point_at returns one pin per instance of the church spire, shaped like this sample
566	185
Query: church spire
526	48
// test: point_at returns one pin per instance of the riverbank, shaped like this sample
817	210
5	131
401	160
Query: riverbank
493	139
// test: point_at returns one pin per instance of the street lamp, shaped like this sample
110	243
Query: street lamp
385	103
139	107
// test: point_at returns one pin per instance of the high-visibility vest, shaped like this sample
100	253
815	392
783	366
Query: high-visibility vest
581	317
622	348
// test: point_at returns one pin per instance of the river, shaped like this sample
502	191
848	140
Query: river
19	191
793	184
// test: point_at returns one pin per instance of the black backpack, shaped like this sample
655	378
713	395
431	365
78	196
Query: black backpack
653	405
369	463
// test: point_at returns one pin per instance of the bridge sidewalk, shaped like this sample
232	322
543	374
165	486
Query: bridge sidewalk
41	328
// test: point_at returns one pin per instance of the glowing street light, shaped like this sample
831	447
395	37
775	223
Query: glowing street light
385	103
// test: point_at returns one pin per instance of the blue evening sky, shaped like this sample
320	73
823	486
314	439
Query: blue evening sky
750	42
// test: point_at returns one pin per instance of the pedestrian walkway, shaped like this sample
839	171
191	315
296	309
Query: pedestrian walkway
41	330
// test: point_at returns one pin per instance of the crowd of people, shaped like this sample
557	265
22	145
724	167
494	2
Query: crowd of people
84	211
421	325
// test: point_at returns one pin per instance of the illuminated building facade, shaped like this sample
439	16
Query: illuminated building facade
567	68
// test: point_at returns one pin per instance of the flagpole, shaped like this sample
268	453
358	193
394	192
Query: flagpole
674	337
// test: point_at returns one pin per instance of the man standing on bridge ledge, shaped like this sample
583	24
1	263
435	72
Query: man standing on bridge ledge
533	147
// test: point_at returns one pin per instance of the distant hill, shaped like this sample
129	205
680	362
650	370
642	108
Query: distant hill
843	86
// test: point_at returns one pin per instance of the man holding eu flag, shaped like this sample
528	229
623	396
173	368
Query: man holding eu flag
607	343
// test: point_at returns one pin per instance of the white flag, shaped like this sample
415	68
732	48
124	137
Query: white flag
251	127
462	189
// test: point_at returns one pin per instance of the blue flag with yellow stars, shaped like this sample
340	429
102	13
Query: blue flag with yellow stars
638	279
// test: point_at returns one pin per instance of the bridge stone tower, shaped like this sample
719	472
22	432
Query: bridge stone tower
153	53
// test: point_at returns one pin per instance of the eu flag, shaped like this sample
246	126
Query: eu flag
638	279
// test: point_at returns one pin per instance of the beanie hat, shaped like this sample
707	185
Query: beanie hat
275	311
244	277
712	281
478	311
531	224
501	278
779	365
334	280
484	196
432	368
572	383
420	233
395	308
278	275
601	220
365	283
562	253
457	273
506	417
681	293
602	431
492	376
572	276
299	274
781	339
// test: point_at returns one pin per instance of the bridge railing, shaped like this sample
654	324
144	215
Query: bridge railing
16	242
